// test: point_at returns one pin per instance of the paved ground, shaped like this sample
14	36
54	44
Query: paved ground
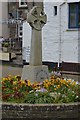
9	70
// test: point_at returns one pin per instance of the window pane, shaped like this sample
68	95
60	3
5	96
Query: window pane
21	28
79	14
79	19
72	20
21	33
72	7
79	7
55	10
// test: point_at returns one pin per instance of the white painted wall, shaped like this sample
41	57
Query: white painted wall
54	31
69	38
26	41
51	34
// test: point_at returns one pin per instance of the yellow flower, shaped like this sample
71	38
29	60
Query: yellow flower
15	82
46	85
9	78
58	86
46	80
23	82
74	83
67	85
69	81
55	89
63	81
3	79
29	82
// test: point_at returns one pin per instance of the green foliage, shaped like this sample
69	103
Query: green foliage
5	44
39	98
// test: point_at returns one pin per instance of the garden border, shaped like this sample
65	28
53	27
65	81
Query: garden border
68	111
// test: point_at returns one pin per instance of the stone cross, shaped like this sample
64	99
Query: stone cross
35	71
36	18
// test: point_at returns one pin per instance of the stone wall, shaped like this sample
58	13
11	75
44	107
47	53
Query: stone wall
41	111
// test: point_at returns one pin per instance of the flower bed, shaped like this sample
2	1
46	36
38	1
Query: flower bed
23	100
54	90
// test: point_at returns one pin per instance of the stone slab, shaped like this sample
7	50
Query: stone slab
35	73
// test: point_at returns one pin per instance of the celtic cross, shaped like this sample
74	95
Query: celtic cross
35	71
36	18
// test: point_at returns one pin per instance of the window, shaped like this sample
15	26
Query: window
21	28
55	10
20	33
74	15
22	3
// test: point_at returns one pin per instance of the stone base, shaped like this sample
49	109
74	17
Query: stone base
35	73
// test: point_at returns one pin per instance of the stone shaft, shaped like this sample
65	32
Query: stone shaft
36	48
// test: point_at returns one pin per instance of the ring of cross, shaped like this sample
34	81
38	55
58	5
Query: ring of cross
36	18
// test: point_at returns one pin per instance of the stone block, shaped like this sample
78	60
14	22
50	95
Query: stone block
35	73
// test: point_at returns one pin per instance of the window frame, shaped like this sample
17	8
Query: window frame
22	5
77	12
55	10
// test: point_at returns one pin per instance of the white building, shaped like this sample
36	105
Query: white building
4	30
61	33
61	40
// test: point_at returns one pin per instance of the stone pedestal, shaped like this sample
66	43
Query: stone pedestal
35	73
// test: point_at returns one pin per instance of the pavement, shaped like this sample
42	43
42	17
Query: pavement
11	68
15	68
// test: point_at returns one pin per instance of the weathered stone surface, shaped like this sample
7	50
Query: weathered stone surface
35	73
36	18
41	111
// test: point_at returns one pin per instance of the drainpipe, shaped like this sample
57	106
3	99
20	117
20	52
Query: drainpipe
60	41
17	26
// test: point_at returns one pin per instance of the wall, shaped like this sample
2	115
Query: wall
69	38
59	42
0	18
26	41
51	33
40	111
5	32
